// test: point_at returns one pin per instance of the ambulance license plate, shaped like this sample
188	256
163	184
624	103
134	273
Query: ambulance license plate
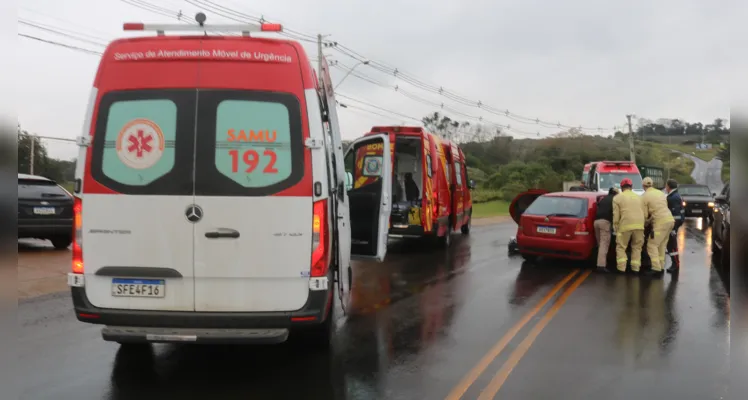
546	229
138	287
696	211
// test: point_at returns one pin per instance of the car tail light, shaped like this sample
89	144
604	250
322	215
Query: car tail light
78	236
581	228
320	239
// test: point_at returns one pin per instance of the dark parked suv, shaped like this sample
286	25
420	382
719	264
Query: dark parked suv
721	233
698	201
45	210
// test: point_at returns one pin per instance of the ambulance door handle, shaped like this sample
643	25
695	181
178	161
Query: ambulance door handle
223	233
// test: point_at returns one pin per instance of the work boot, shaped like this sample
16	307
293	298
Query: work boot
675	267
654	274
602	270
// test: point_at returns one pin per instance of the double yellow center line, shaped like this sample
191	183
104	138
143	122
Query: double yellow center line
498	380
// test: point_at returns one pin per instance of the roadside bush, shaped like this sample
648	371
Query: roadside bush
486	195
511	190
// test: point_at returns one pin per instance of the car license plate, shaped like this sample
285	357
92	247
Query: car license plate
547	229
44	210
138	287
696	211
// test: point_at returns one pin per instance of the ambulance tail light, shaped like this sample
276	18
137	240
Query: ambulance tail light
320	240
78	236
581	228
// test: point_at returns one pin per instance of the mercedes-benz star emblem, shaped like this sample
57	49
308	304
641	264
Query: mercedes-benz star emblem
194	213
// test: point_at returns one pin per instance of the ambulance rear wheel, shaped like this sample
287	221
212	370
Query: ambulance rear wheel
446	240
466	227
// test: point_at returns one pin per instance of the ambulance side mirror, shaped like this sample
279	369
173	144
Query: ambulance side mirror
471	184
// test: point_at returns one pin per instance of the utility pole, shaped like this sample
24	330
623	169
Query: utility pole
319	59
632	153
31	158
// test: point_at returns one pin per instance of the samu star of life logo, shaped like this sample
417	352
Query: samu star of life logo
140	144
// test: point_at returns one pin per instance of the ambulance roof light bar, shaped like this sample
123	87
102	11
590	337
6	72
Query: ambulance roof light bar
245	29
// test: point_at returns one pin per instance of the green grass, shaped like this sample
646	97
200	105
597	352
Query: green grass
68	186
690	149
494	208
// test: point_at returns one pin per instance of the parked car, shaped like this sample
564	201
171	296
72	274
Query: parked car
560	225
45	211
721	233
698	201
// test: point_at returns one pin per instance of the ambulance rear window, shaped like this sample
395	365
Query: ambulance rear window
253	142
139	141
143	141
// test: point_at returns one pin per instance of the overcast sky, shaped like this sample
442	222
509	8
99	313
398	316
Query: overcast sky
577	62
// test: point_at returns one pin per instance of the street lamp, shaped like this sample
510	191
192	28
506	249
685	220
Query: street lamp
365	62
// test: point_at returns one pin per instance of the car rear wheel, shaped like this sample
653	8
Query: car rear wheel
61	242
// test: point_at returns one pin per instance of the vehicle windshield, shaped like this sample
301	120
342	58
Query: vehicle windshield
694	191
37	189
608	180
557	206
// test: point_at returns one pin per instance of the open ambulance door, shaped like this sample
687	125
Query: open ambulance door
370	197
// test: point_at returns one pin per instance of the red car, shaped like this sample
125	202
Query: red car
560	225
557	225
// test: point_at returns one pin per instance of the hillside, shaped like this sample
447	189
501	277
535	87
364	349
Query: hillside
504	166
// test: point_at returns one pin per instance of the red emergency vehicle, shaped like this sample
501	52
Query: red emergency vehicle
430	187
603	175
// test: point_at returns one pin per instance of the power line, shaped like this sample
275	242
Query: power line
51	29
81	49
382	67
441	106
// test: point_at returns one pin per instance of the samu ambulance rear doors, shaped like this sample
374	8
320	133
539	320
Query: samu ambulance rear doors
137	174
253	180
371	196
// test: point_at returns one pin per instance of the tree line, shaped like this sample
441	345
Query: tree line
58	170
665	128
504	166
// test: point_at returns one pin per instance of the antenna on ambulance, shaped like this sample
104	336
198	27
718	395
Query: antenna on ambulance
200	18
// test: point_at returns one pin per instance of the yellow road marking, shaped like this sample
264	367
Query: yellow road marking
498	380
470	378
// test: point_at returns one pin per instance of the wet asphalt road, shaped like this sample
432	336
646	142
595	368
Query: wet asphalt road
429	325
707	173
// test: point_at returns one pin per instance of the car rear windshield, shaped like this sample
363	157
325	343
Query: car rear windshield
558	206
37	189
694	191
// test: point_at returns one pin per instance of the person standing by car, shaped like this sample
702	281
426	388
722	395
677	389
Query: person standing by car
628	225
660	220
675	204
603	221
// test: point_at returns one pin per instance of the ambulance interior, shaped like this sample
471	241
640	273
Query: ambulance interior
407	182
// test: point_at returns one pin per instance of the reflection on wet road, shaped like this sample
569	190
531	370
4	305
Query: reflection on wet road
471	321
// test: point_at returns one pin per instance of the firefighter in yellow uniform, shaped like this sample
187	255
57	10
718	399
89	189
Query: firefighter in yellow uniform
659	218
628	225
